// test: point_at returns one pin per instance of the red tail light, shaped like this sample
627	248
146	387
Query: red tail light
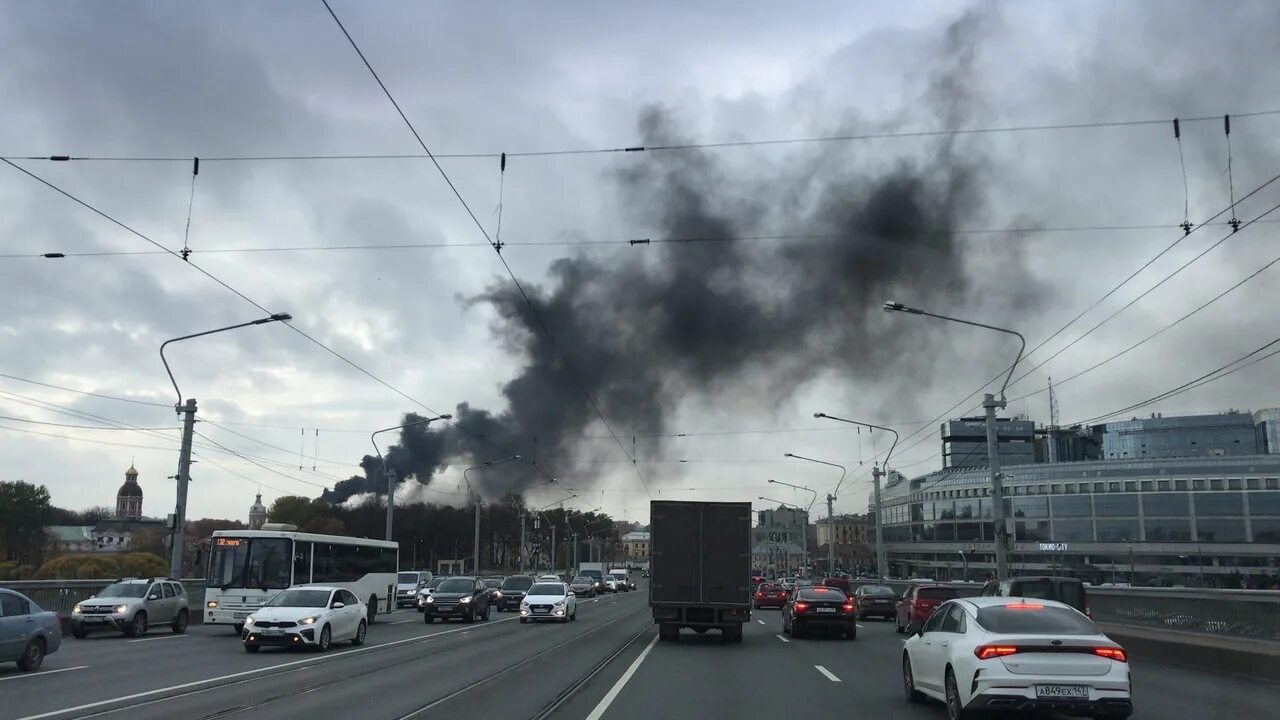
802	606
1111	653
986	652
848	607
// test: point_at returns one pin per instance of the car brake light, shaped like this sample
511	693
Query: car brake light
848	607
1024	606
801	606
986	652
1111	653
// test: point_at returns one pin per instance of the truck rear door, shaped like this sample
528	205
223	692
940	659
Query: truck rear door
676	551
726	559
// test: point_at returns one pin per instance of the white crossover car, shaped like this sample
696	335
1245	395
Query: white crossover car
307	616
549	601
1015	654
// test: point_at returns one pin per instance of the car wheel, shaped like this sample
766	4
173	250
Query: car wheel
360	634
78	632
179	624
326	639
427	618
138	626
574	615
238	628
524	621
250	648
471	618
371	612
851	633
909	682
955	709
32	655
897	626
797	629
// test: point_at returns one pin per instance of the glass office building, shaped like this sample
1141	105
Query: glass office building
1184	520
1216	435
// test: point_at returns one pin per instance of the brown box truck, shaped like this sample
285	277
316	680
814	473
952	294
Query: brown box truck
700	567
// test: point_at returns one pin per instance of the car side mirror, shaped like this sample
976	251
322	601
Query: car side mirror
573	594
153	596
338	605
915	627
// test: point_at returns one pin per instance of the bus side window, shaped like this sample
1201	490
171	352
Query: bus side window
301	562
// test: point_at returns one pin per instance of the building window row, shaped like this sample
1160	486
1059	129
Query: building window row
1211	530
1109	486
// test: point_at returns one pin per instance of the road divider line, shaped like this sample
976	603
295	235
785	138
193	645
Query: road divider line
43	672
828	673
608	698
760	621
783	639
256	671
401	622
857	626
158	637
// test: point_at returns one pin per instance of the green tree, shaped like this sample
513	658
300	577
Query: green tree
24	511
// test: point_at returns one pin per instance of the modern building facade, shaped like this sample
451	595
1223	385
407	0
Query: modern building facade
964	442
1211	517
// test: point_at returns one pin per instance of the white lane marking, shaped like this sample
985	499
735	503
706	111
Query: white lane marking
43	672
255	671
782	638
760	621
858	626
622	681
826	672
401	622
157	637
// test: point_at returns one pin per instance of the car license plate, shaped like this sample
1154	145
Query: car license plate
273	631
93	620
1075	692
540	611
826	610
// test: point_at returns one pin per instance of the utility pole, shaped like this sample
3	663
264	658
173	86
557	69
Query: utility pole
391	498
553	547
522	541
184	477
831	537
882	562
475	561
989	405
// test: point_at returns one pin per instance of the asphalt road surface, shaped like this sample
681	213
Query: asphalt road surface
606	665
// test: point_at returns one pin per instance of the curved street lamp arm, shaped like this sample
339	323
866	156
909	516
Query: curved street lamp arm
278	317
874	427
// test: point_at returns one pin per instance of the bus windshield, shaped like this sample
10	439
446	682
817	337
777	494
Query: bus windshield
263	563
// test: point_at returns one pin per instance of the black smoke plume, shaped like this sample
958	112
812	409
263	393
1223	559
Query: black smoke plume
697	315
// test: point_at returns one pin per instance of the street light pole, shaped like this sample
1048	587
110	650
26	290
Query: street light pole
188	409
989	404
831	498
390	475
882	562
475	498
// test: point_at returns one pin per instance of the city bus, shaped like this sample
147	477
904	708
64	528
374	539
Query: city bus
249	567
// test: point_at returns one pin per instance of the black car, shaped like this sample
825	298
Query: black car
813	607
875	600
493	583
1067	590
512	592
466	598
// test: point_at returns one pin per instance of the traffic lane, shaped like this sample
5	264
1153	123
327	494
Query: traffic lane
701	676
391	683
112	667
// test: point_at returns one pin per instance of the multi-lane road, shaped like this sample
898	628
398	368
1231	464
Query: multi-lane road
608	664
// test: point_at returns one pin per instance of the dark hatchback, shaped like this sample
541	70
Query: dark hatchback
465	598
820	607
875	601
1066	590
512	592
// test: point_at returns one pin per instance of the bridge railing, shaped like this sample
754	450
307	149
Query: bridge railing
61	596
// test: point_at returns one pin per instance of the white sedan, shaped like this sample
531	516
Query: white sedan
549	601
307	616
1015	654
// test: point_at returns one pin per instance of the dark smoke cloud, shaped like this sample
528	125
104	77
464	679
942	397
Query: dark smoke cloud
699	316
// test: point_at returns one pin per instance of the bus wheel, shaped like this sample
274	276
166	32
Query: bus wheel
372	608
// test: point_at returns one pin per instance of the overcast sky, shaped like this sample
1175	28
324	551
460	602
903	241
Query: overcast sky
216	79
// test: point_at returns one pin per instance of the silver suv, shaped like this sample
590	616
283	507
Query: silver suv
132	606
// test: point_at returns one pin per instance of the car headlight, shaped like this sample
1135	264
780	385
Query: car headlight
465	599
248	622
75	610
498	594
309	620
428	599
211	604
560	603
122	608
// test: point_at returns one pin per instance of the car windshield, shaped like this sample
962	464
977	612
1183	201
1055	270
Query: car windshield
456	585
135	590
434	583
547	589
1035	618
583	580
407	578
876	590
519	583
300	597
937	593
493	582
